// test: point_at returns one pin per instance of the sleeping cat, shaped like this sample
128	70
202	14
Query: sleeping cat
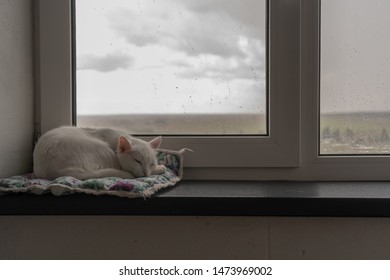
85	153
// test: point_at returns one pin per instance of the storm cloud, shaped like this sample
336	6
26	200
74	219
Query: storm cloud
192	27
213	39
250	68
105	63
248	14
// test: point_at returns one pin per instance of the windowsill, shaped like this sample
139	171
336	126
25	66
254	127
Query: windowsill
224	198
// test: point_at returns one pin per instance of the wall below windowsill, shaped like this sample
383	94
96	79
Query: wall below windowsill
221	198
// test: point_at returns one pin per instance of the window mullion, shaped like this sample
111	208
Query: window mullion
53	63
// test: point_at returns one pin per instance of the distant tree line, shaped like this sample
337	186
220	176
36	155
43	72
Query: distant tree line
349	136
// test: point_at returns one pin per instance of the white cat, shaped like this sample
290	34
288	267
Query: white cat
85	153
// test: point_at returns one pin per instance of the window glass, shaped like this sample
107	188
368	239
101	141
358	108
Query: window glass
172	66
355	77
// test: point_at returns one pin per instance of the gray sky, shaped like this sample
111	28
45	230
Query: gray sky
194	56
164	56
355	64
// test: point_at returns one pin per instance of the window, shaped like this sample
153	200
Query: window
278	148
172	67
355	68
292	148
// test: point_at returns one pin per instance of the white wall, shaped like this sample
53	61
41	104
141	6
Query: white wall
113	237
16	87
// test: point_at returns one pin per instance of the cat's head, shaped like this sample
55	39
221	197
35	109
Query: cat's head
137	156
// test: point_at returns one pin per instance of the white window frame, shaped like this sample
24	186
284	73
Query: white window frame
290	152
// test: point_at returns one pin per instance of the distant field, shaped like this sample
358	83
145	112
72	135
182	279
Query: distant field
355	133
352	133
197	124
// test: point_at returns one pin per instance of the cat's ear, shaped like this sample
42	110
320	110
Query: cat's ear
124	144
156	142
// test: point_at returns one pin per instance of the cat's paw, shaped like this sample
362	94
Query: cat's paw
160	169
127	175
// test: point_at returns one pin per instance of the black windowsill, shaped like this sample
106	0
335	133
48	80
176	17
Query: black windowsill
222	198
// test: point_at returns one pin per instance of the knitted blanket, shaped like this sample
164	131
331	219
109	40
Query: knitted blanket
131	188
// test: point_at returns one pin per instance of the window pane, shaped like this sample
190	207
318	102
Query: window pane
172	66
355	77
